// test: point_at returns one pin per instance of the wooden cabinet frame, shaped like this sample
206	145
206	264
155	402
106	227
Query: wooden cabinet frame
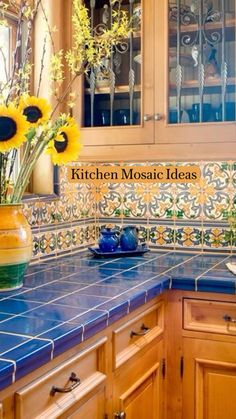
180	359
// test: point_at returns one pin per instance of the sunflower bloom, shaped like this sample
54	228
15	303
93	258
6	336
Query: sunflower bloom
66	146
13	128
36	110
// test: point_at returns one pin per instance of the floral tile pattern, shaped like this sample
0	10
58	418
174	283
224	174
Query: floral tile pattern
162	201
168	215
162	235
189	237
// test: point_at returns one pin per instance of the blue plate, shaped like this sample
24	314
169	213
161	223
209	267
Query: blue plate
140	250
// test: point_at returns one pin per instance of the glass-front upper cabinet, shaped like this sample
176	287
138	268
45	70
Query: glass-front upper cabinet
113	95
201	56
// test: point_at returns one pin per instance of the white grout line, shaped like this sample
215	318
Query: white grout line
98	305
29	337
71	274
43	304
14	366
208	270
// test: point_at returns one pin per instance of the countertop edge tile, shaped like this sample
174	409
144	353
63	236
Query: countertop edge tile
70	333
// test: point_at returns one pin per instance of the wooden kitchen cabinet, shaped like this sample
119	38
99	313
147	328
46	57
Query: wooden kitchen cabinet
75	389
209	358
94	407
138	386
178	80
209	379
139	366
175	357
112	372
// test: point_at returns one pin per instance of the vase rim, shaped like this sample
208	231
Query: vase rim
14	204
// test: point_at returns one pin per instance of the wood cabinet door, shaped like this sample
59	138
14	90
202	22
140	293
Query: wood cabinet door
138	385
178	81
104	114
209	380
92	408
141	400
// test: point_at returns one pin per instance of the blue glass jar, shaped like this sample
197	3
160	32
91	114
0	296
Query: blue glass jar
129	238
109	240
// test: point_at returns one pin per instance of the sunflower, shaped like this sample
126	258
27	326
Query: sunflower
13	128
36	110
66	146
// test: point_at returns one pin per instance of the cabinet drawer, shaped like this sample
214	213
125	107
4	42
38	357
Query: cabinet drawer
137	333
210	316
39	400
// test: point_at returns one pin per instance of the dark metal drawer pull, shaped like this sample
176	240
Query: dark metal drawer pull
229	319
76	382
119	415
144	329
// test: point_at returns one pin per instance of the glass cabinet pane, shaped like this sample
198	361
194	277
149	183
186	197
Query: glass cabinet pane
202	71
112	92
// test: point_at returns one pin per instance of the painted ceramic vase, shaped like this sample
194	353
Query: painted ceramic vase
129	238
109	240
15	246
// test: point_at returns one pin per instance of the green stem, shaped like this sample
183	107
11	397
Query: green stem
62	97
23	168
27	173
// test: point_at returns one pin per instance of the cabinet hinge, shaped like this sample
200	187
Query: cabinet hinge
163	368
181	366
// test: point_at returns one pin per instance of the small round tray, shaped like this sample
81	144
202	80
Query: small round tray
140	250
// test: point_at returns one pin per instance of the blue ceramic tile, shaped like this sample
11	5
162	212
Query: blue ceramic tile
216	287
90	263
116	308
130	278
6	371
56	312
183	272
5	382
70	269
39	267
64	337
135	298
103	290
135	280
29	327
205	261
155	287
172	259
13	306
63	287
12	294
93	322
4	316
41	278
29	356
185	284
90	318
8	341
88	278
38	295
122	264
81	301
225	275
105	272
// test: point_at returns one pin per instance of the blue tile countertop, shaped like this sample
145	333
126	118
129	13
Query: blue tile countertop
67	300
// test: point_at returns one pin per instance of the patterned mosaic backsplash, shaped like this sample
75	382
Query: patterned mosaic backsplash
192	216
